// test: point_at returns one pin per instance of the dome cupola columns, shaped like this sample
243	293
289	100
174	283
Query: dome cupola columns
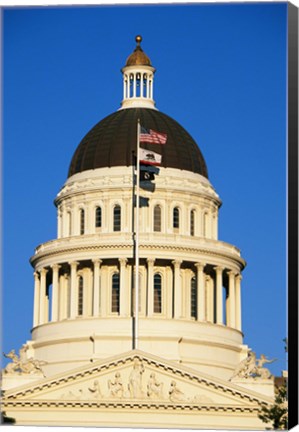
138	79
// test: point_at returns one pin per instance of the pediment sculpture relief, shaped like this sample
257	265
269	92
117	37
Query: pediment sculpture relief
137	383
21	364
251	367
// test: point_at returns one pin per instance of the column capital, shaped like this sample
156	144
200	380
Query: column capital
150	261
231	273
218	269
239	277
123	261
74	264
43	271
55	266
208	278
176	263
36	275
200	265
97	261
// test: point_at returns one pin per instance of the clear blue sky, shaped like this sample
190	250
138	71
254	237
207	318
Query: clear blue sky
221	73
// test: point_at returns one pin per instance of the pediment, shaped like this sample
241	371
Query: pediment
136	377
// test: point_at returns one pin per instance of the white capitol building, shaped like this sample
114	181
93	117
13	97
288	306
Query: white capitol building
187	366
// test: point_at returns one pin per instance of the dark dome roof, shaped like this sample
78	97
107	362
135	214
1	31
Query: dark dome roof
111	142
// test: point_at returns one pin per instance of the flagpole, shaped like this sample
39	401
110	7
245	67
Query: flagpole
136	326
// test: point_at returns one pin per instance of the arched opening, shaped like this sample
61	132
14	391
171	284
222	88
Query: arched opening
193	298
116	218
80	296
82	222
176	218
115	293
192	222
98	218
157	293
157	218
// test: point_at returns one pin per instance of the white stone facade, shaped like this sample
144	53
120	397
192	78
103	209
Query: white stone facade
85	257
191	368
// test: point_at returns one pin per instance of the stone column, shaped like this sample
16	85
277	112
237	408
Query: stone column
232	302
238	302
219	295
55	287
210	298
42	298
201	298
96	286
74	289
36	299
123	299
150	286
177	289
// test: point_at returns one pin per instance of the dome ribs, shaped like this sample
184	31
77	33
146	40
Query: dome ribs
111	142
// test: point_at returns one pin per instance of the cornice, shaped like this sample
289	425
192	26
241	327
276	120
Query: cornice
163	366
57	252
131	405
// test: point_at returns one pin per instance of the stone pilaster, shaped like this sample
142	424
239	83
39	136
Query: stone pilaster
201	298
177	289
123	296
74	289
150	286
42	298
55	294
36	299
96	286
238	302
232	302
219	295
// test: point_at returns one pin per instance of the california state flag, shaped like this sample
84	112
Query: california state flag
148	157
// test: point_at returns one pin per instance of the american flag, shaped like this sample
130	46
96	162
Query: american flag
151	136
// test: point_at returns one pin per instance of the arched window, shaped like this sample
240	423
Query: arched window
176	218
82	221
193	296
98	217
116	218
157	218
192	218
157	293
115	293
80	296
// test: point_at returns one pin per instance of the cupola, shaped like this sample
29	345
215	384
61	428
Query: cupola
138	79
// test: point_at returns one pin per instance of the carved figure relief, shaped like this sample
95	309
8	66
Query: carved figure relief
135	380
251	367
132	388
116	387
95	391
154	387
21	364
175	394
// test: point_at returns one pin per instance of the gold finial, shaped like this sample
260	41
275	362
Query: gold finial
138	39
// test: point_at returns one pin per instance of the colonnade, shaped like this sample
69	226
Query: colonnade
138	84
218	291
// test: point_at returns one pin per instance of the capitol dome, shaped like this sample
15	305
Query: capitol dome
137	313
112	141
